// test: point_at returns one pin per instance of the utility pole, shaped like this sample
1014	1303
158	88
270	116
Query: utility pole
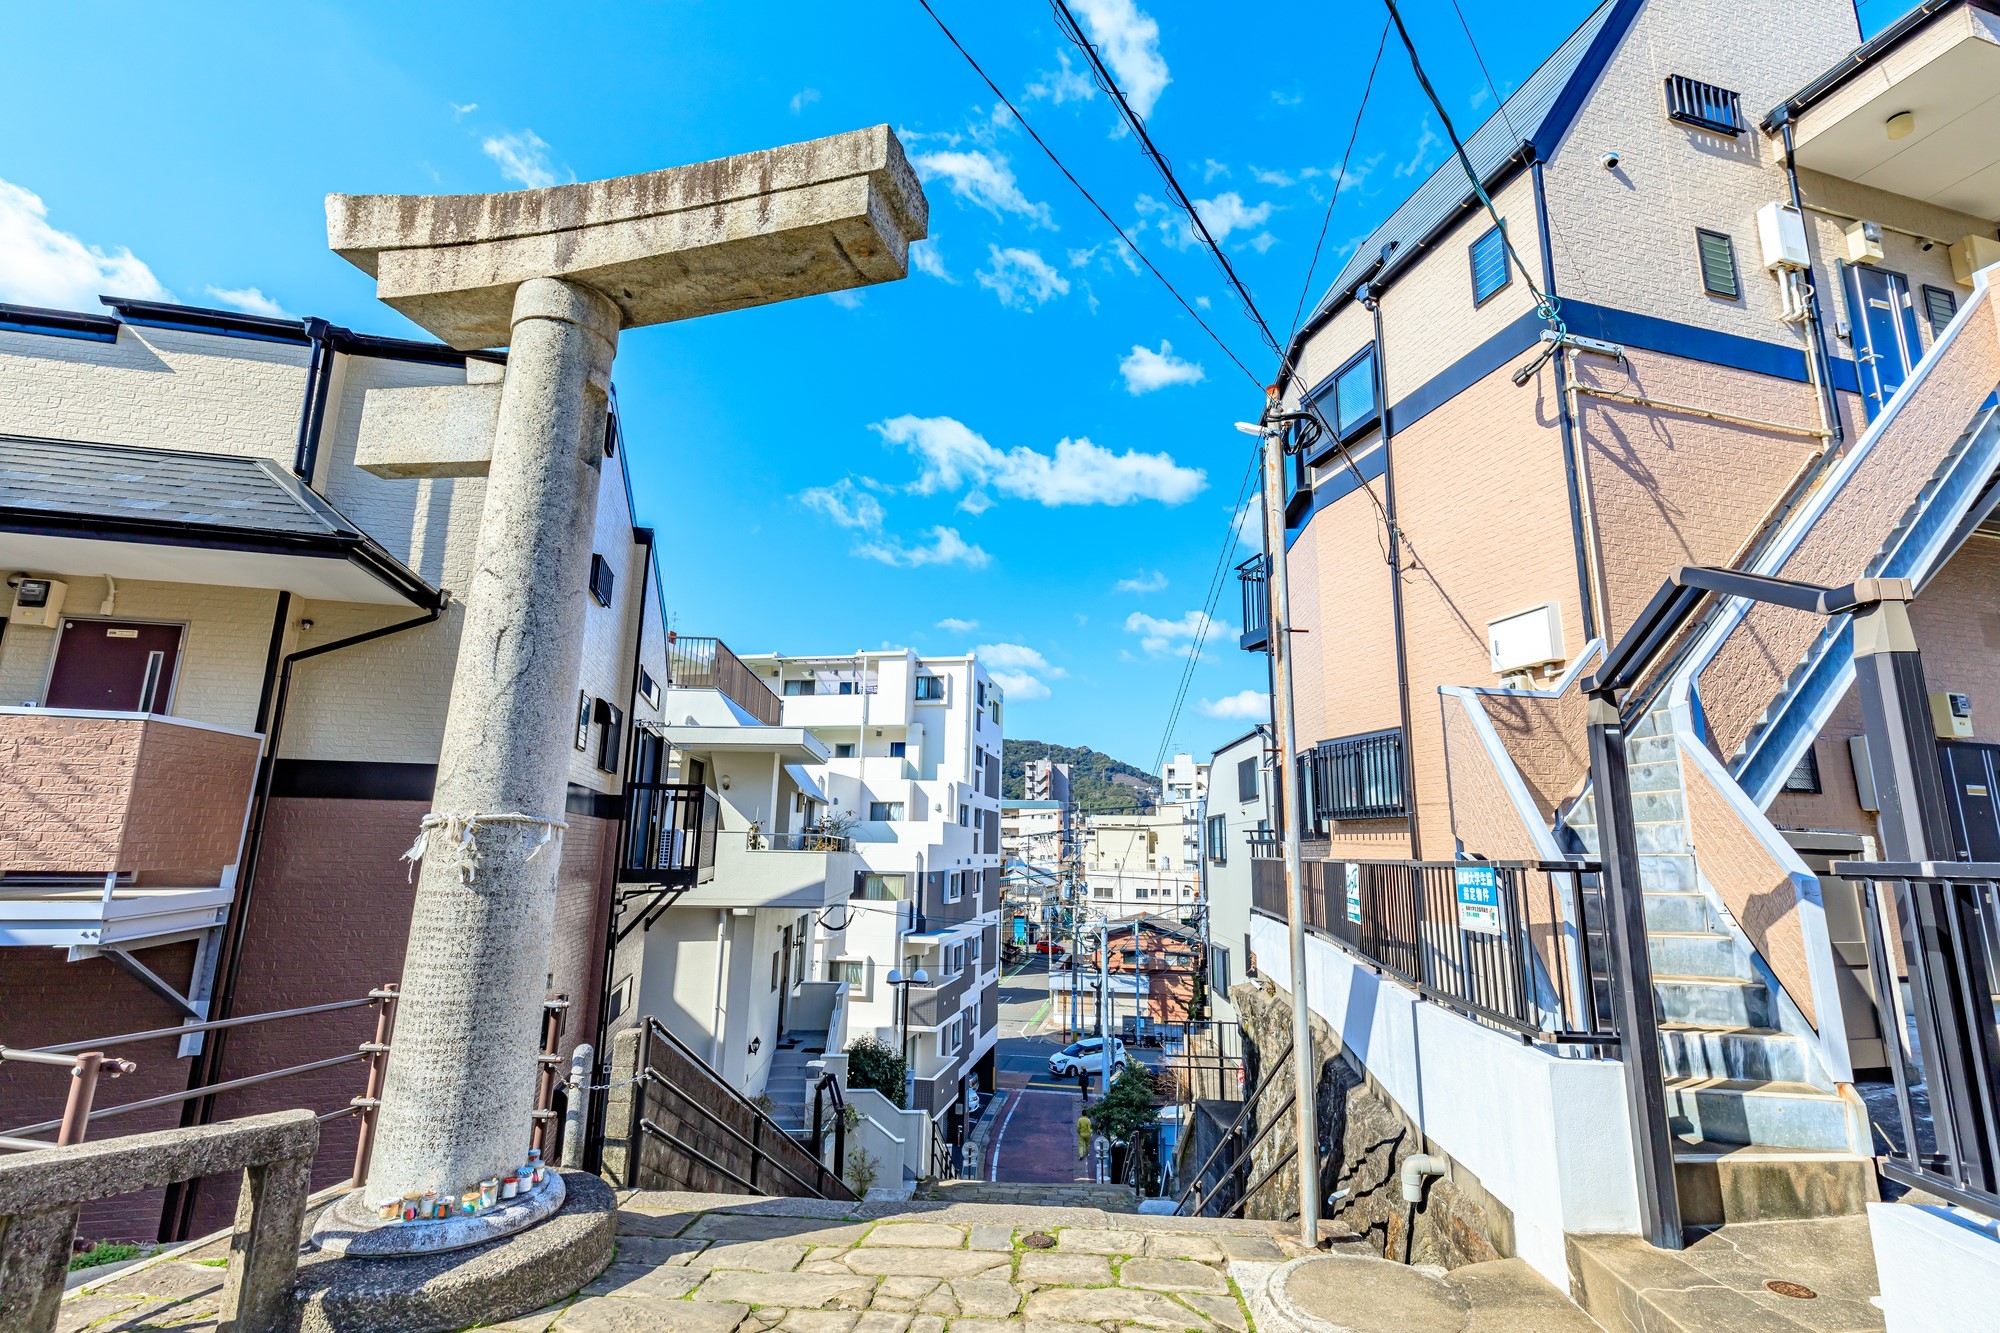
1104	998
1284	738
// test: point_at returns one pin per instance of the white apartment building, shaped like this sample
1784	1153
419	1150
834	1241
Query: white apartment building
1143	864
1183	781
1236	827
911	775
1034	832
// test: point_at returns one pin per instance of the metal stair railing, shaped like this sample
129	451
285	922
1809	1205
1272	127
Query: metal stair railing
1240	1162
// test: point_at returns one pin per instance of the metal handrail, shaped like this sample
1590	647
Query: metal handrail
828	1084
99	1043
1249	1104
170	1098
804	841
757	1150
649	1127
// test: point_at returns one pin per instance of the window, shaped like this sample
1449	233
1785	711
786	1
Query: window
843	750
930	687
974	945
954	960
621	999
1939	307
954	887
879	888
852	971
1100	891
1246	781
1703	105
1218	840
951	1037
1490	269
1718	263
649	689
1354	777
777	966
1354	393
1218	968
981	701
898	749
964	815
885	812
799	687
1805	778
609	740
601	579
583	720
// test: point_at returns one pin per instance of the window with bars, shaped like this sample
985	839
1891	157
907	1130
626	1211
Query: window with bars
1805	778
1717	254
1352	777
1703	105
1939	308
1490	269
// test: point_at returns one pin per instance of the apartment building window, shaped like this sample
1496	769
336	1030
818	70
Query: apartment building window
777	966
974	946
649	689
964	816
885	812
993	709
1346	398
1490	269
1804	779
1100	891
1218	840
609	741
898	749
1718	263
799	687
853	971
981	697
954	960
880	888
951	1037
1939	307
930	688
843	750
954	887
583	711
1246	781
601	579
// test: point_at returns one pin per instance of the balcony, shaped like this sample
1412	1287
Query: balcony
937	1093
804	871
1255	585
1354	777
931	1005
670	832
707	664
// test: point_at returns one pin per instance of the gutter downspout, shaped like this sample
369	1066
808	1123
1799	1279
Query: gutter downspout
1571	462
319	382
1370	299
210	1064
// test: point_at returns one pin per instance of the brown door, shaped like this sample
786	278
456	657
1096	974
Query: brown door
118	666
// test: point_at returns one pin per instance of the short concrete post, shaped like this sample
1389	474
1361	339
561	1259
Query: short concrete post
459	1095
264	1249
34	1260
576	1112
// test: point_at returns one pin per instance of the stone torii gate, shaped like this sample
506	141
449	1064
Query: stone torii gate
554	275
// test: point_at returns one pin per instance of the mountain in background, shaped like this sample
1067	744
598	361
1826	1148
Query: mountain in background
1099	784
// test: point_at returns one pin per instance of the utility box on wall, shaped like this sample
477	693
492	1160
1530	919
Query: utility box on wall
1526	639
1951	715
38	602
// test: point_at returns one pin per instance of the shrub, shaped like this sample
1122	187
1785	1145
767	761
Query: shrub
862	1169
104	1252
877	1065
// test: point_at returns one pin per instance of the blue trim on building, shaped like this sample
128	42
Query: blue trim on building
1514	340
57	323
1562	113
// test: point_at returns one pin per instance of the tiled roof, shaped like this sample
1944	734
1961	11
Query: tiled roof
110	481
1532	107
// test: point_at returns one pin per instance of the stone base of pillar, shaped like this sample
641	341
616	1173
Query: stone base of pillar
496	1281
351	1229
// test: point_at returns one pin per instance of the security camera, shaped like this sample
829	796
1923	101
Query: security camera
1610	160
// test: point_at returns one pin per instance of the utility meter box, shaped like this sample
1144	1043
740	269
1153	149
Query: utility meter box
1864	242
1781	235
1972	254
38	602
1526	639
1951	715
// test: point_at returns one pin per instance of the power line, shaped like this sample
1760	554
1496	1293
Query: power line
1088	197
1305	289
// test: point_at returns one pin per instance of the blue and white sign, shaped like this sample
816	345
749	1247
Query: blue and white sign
1354	893
1478	899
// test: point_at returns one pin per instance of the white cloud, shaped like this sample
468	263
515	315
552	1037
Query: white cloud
1079	472
1227	212
1152	582
1017	657
846	504
1211	168
1165	638
1146	370
1480	97
847	300
461	112
1021	277
522	158
1283	98
957	626
1420	156
1247	705
946	548
1129	41
250	301
1280	179
925	257
983	179
42	266
804	98
1250	524
976	503
1064	84
1019	685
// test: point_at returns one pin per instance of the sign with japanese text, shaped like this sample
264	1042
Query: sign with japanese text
1478	898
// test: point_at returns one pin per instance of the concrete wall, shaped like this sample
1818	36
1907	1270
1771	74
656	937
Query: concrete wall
1544	1135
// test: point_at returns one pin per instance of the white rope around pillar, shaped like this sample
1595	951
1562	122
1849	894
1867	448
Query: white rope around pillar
461	831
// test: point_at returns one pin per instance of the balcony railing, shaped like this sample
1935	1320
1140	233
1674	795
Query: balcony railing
1353	777
707	664
1254	580
932	1005
797	842
669	834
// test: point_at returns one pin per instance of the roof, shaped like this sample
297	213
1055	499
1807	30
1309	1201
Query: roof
117	496
1861	57
1536	114
795	745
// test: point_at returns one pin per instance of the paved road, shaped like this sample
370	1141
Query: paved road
1035	1138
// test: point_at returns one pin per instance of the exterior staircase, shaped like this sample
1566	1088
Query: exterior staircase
789	1085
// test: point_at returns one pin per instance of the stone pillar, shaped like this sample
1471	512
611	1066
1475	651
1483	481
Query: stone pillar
459	1094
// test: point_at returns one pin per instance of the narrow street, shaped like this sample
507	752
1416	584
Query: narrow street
1034	1140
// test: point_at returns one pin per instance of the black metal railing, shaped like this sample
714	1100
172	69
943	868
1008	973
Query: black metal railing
1223	1179
1517	945
1947	1096
1254	579
707	664
807	841
827	1097
669	834
1353	777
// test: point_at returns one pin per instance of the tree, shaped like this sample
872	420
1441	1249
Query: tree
877	1065
1128	1107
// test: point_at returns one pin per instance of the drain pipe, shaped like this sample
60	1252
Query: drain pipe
1415	1168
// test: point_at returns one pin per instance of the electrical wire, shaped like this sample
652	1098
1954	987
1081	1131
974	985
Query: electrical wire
1088	197
1305	288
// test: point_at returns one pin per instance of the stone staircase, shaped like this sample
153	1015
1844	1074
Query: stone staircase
1762	1131
789	1085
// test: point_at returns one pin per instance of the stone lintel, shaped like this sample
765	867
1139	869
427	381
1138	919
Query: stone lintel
803	219
436	430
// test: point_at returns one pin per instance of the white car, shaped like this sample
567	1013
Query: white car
1087	1054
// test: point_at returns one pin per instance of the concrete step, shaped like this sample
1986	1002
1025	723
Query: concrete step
1717	1281
1662	838
1704	953
1677	912
1657	807
1772	1115
1668	873
1761	1054
1723	1183
1659	775
1713	1002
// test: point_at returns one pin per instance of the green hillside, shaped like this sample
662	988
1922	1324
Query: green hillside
1098	783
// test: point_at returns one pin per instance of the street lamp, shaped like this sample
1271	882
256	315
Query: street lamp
902	985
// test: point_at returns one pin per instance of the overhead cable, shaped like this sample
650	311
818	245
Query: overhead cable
1305	289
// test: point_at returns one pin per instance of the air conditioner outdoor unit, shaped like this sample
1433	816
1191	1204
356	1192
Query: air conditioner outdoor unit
1525	639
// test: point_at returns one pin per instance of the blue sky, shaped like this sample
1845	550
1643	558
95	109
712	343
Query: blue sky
1025	446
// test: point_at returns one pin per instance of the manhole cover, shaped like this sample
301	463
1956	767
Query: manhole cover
1793	1289
1036	1240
